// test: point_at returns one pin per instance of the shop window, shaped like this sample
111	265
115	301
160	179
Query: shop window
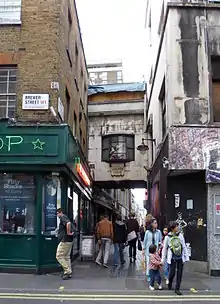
51	202
7	91
118	148
17	203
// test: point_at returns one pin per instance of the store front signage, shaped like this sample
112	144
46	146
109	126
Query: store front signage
35	102
82	173
13	141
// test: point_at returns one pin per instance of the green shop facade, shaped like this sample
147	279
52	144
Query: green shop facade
42	168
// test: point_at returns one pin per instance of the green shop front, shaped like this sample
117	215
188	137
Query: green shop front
42	168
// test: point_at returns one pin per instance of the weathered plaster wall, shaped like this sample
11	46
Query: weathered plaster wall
213	239
187	67
116	124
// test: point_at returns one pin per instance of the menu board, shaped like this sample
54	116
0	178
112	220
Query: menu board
50	205
87	247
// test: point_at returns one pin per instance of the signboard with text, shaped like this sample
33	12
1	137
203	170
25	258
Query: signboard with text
35	102
10	12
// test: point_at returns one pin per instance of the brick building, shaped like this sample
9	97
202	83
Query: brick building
43	129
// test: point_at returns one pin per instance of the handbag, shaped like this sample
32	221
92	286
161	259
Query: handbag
131	236
139	245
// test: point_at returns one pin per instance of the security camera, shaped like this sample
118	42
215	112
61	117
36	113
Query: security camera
165	162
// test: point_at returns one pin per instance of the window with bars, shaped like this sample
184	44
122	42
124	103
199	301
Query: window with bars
7	91
118	148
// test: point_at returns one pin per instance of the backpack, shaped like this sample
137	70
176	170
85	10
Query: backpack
176	247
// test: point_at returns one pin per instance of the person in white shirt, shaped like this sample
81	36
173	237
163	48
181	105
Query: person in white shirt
176	254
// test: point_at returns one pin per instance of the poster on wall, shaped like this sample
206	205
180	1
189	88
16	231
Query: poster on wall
17	196
217	214
50	205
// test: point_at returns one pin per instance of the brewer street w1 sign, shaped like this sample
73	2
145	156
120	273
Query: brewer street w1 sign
35	102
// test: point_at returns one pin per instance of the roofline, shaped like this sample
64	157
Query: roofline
78	23
171	5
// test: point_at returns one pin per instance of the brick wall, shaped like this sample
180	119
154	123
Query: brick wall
38	48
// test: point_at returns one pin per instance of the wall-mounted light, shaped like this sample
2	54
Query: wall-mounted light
142	147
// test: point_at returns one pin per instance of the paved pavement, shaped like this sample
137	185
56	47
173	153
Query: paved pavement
94	284
102	299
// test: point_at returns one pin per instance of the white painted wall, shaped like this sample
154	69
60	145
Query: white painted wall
127	121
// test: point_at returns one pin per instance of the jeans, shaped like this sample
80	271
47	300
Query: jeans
133	248
172	271
63	256
104	251
118	252
166	270
154	277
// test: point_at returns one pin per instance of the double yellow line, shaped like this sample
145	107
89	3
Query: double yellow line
110	298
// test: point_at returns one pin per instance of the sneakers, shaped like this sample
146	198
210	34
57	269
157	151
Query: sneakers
160	287
167	281
151	288
105	265
98	263
67	276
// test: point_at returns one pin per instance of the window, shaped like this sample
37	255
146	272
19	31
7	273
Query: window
76	61
67	105
10	12
216	88
7	91
118	148
75	125
80	136
51	201
17	203
163	109
68	50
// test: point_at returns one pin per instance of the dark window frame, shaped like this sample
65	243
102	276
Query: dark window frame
109	142
162	100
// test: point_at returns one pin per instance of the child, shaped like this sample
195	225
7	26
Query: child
154	267
166	266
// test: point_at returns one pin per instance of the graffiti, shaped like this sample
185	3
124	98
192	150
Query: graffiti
194	148
181	222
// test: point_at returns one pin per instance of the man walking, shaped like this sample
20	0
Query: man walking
133	231
105	237
176	253
119	240
65	238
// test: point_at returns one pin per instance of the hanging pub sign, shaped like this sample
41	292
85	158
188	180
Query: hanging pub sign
82	173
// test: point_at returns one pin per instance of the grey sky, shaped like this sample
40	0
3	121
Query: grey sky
114	30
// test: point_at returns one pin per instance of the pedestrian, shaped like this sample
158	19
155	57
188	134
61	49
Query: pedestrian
133	231
96	229
142	233
166	265
155	265
148	221
119	240
65	238
153	236
104	237
176	254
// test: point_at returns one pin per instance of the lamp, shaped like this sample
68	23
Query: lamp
142	147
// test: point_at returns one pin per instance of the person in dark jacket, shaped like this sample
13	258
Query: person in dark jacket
133	231
119	240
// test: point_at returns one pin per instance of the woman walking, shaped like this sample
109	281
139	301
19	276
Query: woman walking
148	221
153	236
